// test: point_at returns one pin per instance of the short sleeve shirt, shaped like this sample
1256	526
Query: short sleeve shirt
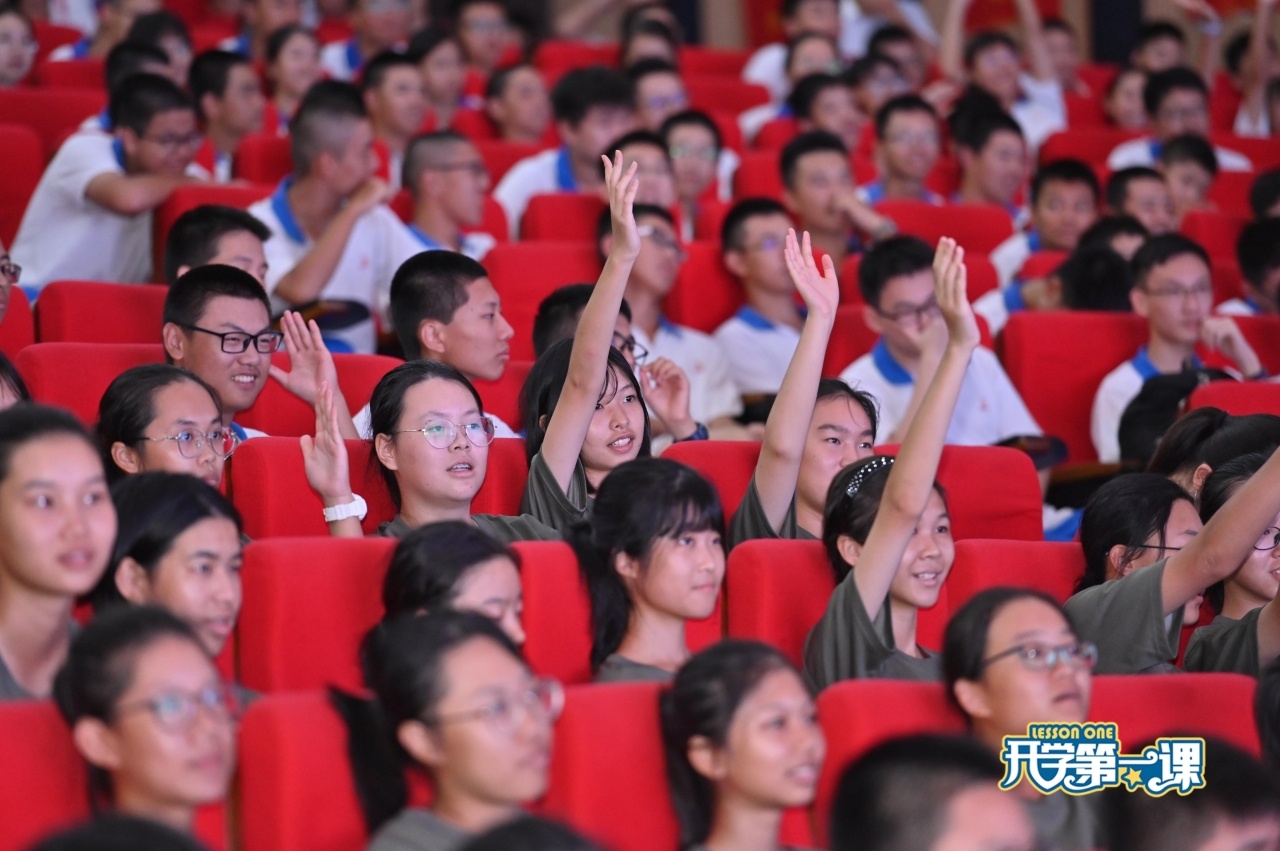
1226	645
749	521
712	392
1125	618
417	830
758	351
620	669
548	503
508	530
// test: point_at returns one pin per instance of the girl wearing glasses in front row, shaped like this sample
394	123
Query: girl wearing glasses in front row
453	698
1148	563
150	715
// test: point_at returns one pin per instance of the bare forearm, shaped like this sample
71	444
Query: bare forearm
951	45
304	282
1034	43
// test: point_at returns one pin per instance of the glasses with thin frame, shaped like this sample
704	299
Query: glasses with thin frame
629	344
238	342
1042	657
176	711
661	239
223	442
442	433
911	314
1196	293
544	699
1268	540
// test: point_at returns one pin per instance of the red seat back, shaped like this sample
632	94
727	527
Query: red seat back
49	37
978	228
263	158
502	397
24	160
1261	152
727	464
500	156
1046	566
75	375
94	312
1229	192
524	273
775	134
699	60
561	216
727	94
1146	706
1215	231
53	118
17	328
705	294
555	56
1090	144
1238	399
72	74
1041	263
189	197
1263	334
779	590
758	176
280	414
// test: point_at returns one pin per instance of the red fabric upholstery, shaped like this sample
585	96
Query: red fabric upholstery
24	163
727	464
779	590
500	156
186	198
1046	566
705	294
1263	153
1042	263
554	57
1146	706
524	273
775	134
72	74
850	338
49	37
1090	144
53	118
1229	192
758	176
728	94
263	158
269	486
1217	232
1253	397
280	414
17	329
978	228
502	397
94	312
561	216
698	60
75	375
1263	333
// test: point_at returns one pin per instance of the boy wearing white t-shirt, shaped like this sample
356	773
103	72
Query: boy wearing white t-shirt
447	179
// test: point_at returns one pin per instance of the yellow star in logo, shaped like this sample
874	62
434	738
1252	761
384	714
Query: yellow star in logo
1132	778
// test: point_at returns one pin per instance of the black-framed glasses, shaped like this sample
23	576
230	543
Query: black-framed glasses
503	713
1269	539
661	239
442	433
238	342
1043	657
916	313
176	711
222	441
1165	547
628	345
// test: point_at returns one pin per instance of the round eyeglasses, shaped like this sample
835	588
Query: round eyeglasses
442	433
176	711
222	441
1042	657
543	699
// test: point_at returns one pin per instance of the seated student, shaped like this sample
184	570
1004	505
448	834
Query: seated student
115	17
1160	45
17	47
333	237
742	743
820	194
89	218
293	67
1011	657
431	678
259	19
649	151
397	105
484	31
805	443
150	715
886	528
165	30
1237	809
1064	202
447	179
1148	562
875	79
1258	253
1250	59
807	53
125	60
1063	44
1141	192
159	417
228	98
592	106
113	832
927	792
990	61
530	833
993	161
768	65
701	166
214	233
377	25
1203	439
517	101
896	279
652	38
1122	234
1177	103
51	467
439	59
911	47
1123	102
1244	636
652	556
1189	166
660	92
825	102
1173	293
452	565
907	147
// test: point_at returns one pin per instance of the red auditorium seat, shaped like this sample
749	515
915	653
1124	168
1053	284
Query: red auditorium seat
1217	232
775	134
727	464
561	216
24	163
727	94
705	293
555	56
1263	153
1229	192
1090	144
281	414
1084	110
500	156
758	176
269	486
779	591
53	118
1263	333
263	158
49	37
978	228
983	563
75	375
96	312
524	273
189	197
72	74
1042	263
17	329
698	60
1057	376
1253	397
502	397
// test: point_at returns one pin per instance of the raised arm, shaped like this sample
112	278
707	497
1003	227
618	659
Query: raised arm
1254	102
911	478
589	358
787	428
951	42
1034	44
311	367
1209	22
324	457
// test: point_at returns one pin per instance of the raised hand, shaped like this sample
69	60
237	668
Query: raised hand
311	364
1222	333
622	185
665	388
950	286
324	457
819	289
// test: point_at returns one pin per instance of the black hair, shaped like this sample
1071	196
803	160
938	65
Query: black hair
1159	250
898	794
496	86
429	285
377	68
1160	84
973	127
635	137
733	230
29	421
425	41
530	833
1266	713
902	103
1234	51
128	406
637	12
1127	511
604	222
638	503
12	379
1264	193
889	259
139	98
541	392
190	294
278	39
888	34
814	141
1258	250
1107	228
1124	71
386	406
1064	171
559	312
209	74
129	58
119	832
1221	484
583	89
695	117
313	131
1190	148
800	38
1211	436
1151	31
100	668
152	27
829	388
649	65
649	27
983	41
193	238
423	152
1095	277
1117	191
701	703
154	509
1059	25
403	663
807	90
791	7
862	68
430	562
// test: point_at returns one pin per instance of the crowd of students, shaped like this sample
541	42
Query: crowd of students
129	517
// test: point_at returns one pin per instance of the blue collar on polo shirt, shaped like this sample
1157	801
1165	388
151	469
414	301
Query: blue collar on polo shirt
1033	240
242	44
1013	300
352	53
665	324
874	191
1156	148
1254	307
117	149
280	206
239	431
1142	363
893	372
751	317
427	242
80	50
104	119
565	181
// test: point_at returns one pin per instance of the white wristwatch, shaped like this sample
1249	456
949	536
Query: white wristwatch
356	508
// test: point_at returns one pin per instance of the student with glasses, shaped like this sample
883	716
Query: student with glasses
1148	562
448	180
150	715
451	698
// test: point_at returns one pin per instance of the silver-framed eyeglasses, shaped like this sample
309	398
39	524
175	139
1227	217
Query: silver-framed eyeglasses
223	442
503	713
442	433
176	711
1042	657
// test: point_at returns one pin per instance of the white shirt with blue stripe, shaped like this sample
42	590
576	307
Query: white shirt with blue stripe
474	244
758	350
544	173
1116	391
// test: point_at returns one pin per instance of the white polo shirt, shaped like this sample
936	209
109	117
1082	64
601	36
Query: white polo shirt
987	411
1009	256
1117	390
758	351
997	306
64	235
1147	152
541	174
341	60
474	244
1040	111
712	393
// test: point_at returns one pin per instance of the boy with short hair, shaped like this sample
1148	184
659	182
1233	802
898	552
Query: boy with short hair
1142	192
484	31
874	80
657	180
448	180
768	65
396	101
907	148
213	233
1264	194
125	60
1189	166
378	25
115	17
993	161
660	92
1258	253
825	102
1064	202
517	101
260	18
89	217
1160	45
229	100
